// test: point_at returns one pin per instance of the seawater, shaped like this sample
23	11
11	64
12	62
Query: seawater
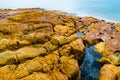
90	68
104	9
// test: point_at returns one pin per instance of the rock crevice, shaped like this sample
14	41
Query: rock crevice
38	44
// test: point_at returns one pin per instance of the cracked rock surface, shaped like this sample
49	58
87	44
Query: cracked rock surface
38	44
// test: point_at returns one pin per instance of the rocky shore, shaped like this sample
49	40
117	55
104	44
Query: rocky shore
38	44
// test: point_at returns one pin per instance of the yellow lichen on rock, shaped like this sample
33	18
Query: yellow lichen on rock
100	47
111	59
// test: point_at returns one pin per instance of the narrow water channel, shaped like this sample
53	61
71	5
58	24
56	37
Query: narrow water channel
90	67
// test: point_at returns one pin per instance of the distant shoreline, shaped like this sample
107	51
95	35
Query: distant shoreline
69	12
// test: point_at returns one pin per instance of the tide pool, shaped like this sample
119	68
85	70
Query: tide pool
90	68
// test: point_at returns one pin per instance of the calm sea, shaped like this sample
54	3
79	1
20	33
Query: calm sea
103	9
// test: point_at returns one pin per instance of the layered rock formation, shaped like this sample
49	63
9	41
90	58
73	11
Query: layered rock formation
38	44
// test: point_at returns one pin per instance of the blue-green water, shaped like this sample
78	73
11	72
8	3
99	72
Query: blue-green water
90	67
103	9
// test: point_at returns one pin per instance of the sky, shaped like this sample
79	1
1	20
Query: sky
103	9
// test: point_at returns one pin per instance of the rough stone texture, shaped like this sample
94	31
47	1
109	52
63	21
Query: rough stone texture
38	44
109	72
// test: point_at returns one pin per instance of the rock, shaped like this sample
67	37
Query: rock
110	50
111	59
67	65
37	76
39	44
99	31
65	50
109	72
60	40
118	26
20	55
100	47
77	48
52	45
